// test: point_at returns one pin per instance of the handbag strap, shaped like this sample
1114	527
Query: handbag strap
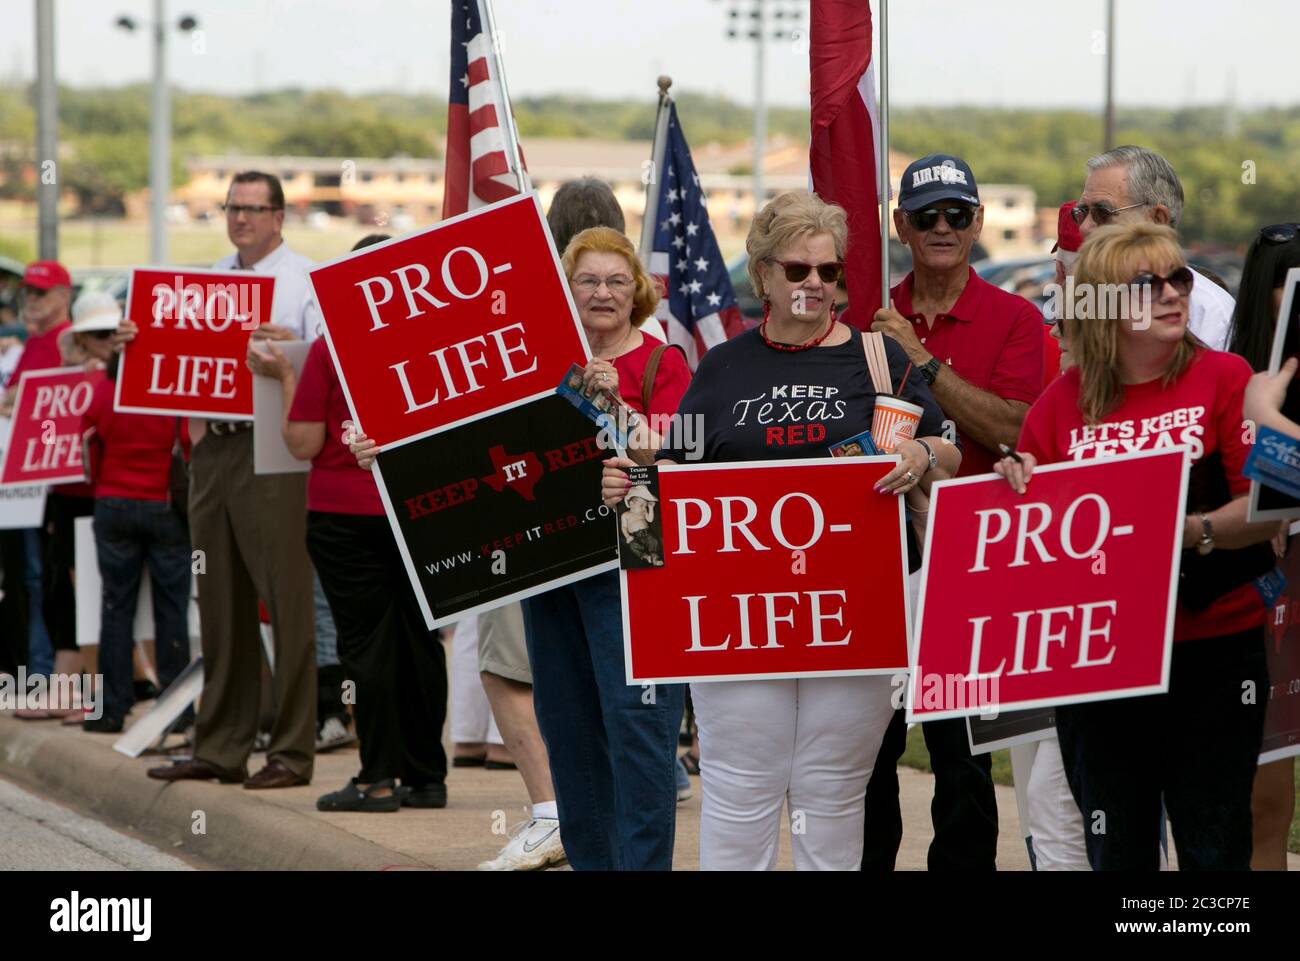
648	378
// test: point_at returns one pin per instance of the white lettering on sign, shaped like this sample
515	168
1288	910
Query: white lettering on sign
414	280
62	400
771	619
468	355
214	307
1054	630
731	525
191	376
1035	518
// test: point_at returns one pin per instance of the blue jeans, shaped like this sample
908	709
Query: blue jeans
40	649
128	535
612	746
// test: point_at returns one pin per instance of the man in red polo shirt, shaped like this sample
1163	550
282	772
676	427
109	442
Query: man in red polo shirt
981	350
47	301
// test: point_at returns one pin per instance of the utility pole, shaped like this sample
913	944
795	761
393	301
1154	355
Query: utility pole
160	127
1109	134
47	134
758	32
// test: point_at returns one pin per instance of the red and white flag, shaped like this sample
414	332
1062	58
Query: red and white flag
478	165
845	138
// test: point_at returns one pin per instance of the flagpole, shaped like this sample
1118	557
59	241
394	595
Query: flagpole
883	162
657	150
507	122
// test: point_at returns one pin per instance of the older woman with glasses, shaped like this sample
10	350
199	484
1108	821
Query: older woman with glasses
810	743
612	748
1197	746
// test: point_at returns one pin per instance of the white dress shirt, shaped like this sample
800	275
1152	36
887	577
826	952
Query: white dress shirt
293	304
1209	312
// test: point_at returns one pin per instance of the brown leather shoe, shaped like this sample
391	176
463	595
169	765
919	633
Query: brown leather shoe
274	775
192	770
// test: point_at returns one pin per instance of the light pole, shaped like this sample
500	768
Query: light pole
1108	134
780	12
47	134
160	127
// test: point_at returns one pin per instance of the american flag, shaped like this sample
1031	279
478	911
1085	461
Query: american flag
478	164
699	306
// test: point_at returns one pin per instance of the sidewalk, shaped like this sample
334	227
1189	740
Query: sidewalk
279	830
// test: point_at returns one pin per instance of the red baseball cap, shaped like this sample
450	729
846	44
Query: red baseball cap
45	274
1067	231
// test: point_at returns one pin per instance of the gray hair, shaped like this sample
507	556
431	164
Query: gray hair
1151	179
580	204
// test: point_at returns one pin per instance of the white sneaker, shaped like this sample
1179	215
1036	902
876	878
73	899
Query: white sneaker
333	733
534	844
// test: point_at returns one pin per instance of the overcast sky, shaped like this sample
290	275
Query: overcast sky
994	52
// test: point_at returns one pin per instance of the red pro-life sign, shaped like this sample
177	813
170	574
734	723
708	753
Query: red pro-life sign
771	569
452	323
45	442
189	356
1062	595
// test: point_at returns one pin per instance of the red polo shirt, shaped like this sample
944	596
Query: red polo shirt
991	339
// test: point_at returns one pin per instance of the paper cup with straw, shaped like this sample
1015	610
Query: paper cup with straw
893	422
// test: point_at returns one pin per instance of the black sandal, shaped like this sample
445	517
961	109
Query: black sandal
691	762
352	798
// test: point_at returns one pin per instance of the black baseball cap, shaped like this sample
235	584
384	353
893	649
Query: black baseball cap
939	176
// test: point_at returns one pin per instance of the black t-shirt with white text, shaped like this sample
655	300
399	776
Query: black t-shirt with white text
756	403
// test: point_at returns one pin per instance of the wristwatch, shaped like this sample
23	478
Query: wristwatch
930	370
1206	543
934	461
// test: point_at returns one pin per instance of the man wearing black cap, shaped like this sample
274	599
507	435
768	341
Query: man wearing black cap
981	350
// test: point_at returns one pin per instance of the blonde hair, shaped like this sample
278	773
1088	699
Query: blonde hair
1110	256
785	219
606	240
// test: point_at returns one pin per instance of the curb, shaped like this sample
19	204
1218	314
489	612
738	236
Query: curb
242	832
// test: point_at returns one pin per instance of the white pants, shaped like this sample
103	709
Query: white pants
811	742
471	717
1055	825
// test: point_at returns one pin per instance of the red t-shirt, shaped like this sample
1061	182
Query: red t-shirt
336	484
40	352
1051	357
671	379
992	340
1205	404
130	454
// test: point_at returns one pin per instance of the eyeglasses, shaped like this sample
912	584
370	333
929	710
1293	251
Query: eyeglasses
234	210
797	271
958	218
33	293
1101	213
618	284
1279	233
1181	280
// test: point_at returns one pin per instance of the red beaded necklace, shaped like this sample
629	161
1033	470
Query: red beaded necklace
792	348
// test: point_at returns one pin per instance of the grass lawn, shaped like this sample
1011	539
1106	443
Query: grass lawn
918	757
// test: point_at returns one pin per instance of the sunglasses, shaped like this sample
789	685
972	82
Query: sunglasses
1181	280
1279	233
797	271
1101	214
99	334
958	218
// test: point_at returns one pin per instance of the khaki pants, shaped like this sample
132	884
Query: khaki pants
252	532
